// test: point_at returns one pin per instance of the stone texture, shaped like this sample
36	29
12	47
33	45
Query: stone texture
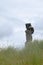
29	31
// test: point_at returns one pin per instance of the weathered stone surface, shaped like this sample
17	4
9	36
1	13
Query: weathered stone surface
28	36
29	31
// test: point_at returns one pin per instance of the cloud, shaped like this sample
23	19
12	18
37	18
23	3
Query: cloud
13	16
11	29
22	8
8	25
5	27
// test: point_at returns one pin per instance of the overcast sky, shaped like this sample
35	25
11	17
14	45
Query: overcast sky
13	16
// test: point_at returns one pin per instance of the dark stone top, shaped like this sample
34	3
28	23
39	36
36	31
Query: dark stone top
28	25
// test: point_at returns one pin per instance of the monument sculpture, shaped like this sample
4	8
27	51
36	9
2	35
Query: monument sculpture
29	31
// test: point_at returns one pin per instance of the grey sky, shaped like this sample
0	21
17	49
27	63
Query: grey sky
13	16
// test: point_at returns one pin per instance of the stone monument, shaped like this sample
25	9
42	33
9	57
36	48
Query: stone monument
29	31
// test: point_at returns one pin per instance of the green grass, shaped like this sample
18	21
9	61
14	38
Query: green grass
32	54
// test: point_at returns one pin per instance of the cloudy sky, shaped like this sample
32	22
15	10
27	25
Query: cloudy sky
13	16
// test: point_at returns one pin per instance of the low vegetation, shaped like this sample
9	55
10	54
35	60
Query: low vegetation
32	54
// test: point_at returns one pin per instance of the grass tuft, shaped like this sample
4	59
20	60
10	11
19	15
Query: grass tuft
32	54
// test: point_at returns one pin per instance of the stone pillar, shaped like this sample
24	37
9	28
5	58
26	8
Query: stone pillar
29	31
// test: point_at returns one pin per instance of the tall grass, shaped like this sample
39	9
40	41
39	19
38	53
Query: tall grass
32	54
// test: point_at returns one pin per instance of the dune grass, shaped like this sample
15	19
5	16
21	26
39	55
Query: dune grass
32	54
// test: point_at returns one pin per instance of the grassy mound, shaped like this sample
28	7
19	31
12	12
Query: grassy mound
32	54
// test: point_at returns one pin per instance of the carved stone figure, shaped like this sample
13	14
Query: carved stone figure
29	31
